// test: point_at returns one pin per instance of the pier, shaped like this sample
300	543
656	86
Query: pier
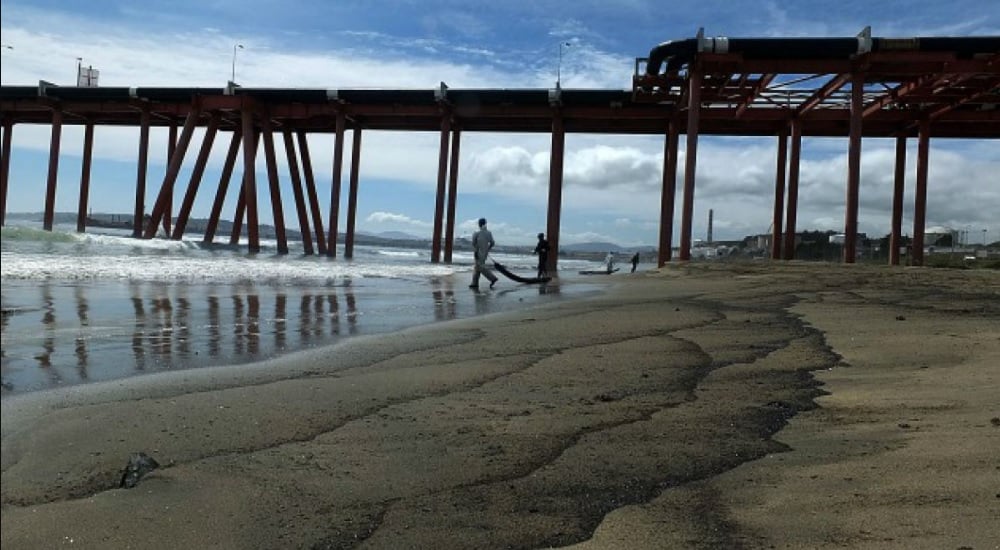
787	88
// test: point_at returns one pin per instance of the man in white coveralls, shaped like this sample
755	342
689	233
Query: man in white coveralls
482	242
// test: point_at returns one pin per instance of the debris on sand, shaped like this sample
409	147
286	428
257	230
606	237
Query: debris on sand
139	464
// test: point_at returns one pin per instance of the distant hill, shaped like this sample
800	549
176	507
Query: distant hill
385	238
399	235
591	247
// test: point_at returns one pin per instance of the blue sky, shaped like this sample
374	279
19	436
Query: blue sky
612	189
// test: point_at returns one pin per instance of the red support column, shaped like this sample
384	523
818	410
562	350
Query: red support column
139	214
555	190
439	196
793	189
853	169
694	108
8	129
241	199
920	200
161	209
277	212
300	200
669	192
352	197
314	207
168	210
779	194
249	195
338	167
196	174
238	215
88	155
449	233
50	188
895	238
224	179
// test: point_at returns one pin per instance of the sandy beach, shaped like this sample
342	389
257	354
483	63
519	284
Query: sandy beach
757	405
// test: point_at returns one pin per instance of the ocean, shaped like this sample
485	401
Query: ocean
80	308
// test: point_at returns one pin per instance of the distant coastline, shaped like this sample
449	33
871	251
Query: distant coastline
196	226
943	250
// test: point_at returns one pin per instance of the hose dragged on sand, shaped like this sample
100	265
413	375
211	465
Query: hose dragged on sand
514	277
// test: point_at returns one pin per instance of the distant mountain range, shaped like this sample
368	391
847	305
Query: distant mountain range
393	235
398	238
604	247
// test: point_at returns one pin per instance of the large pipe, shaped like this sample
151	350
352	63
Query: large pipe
678	53
675	52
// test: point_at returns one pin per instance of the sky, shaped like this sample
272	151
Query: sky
612	184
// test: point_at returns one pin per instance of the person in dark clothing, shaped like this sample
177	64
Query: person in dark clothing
635	261
542	249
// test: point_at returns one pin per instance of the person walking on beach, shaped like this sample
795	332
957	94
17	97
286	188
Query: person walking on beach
482	243
610	260
542	249
635	261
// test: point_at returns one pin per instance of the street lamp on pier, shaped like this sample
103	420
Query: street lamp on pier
235	47
559	66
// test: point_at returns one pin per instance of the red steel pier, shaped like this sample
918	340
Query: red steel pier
790	88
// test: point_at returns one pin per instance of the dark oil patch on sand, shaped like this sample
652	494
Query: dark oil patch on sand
627	437
719	426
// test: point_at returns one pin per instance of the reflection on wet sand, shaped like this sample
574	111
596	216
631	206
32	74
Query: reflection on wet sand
80	348
138	350
213	325
183	335
167	327
444	304
48	324
238	324
162	320
59	334
48	340
280	321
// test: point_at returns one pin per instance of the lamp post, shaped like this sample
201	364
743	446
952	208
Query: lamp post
235	47
985	230
79	65
559	66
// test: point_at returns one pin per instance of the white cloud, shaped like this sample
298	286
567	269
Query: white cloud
606	167
399	219
506	167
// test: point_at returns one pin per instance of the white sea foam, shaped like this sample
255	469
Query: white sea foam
32	254
270	270
115	241
399	253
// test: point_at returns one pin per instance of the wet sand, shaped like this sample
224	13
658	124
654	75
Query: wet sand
702	406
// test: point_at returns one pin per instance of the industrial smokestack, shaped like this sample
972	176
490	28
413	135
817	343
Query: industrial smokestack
709	226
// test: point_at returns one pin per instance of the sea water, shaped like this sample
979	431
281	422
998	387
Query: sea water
102	305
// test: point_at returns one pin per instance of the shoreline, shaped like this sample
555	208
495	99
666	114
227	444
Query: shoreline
595	420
